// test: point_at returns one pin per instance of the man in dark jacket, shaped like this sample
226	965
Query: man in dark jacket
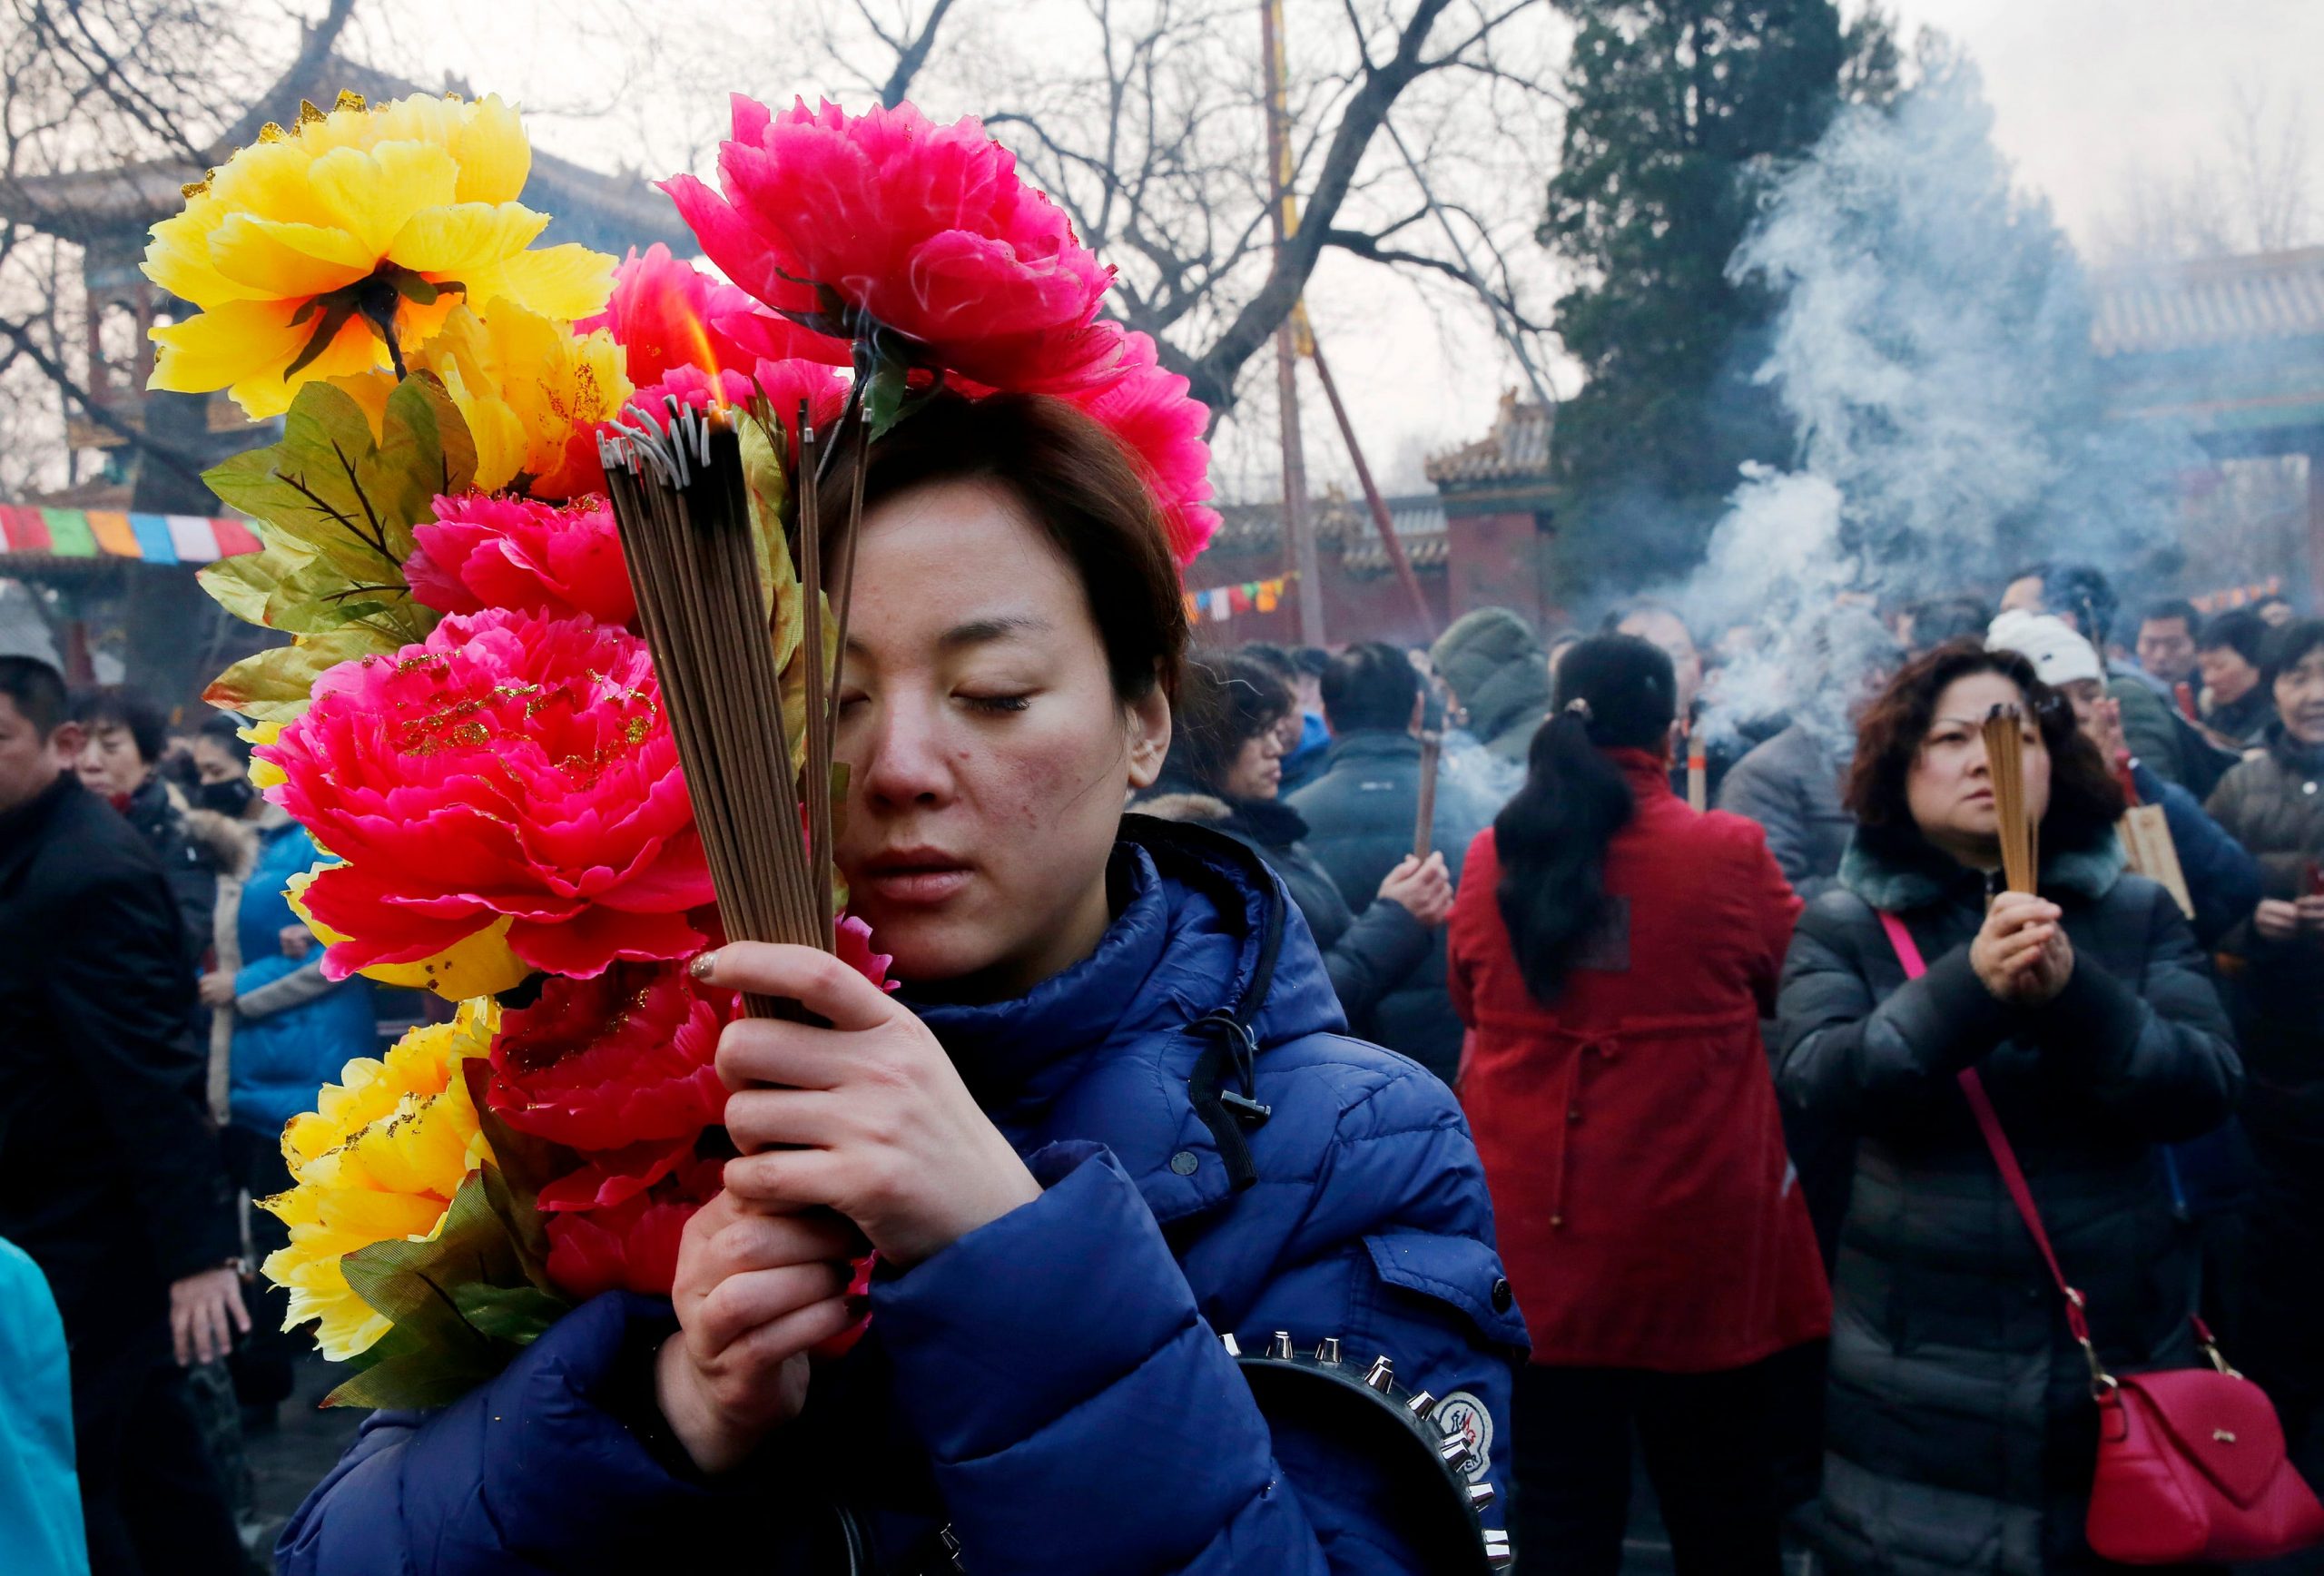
1501	677
110	1175
1361	815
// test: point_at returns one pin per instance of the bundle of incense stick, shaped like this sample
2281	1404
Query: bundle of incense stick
1697	770
2005	757
1431	753
682	502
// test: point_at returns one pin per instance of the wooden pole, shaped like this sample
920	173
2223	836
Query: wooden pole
1379	505
1298	537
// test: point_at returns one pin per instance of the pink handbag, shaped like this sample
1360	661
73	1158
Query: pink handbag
2191	1461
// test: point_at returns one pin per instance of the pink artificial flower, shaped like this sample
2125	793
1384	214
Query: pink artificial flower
854	950
1149	408
554	560
633	1246
511	768
926	229
627	1057
663	314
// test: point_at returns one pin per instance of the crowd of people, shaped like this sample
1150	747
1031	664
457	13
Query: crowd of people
167	1015
1708	1057
1755	1232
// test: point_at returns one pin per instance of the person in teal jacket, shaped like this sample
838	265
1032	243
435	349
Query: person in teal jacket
280	1030
40	1493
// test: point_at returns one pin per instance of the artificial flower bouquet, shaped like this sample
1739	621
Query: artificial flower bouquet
468	717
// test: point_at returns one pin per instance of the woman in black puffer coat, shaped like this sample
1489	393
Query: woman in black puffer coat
1961	1434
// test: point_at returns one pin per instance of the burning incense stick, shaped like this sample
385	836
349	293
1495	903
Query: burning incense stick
682	502
2005	758
1432	753
1697	770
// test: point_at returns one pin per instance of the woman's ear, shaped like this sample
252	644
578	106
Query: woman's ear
1148	720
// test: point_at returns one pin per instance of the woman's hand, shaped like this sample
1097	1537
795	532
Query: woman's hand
754	1291
296	941
206	1313
1423	888
868	1117
2276	919
2021	955
216	989
2104	727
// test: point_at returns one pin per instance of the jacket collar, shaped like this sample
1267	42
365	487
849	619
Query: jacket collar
1898	870
1104	1050
1647	773
2300	760
1374	745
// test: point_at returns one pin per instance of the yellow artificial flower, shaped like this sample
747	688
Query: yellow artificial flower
378	1159
263	775
531	390
309	248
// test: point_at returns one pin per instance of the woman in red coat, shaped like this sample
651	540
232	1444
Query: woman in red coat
1613	952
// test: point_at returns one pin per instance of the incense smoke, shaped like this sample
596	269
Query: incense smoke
1932	354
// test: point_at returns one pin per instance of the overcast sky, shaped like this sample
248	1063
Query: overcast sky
2091	97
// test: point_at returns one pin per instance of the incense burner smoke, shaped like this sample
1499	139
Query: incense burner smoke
1932	354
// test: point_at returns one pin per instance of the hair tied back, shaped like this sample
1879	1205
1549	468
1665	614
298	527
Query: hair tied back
1578	707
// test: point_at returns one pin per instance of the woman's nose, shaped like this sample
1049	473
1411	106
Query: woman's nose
903	760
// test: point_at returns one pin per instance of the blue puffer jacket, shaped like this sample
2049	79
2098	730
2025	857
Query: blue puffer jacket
293	1029
1052	1384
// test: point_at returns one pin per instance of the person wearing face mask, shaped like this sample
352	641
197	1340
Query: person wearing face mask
120	761
1960	1434
279	1030
2274	803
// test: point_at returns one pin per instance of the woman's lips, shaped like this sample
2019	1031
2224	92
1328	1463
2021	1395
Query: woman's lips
916	885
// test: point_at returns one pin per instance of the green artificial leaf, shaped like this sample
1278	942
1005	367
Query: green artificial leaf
337	506
411	1282
769	486
402	1370
242	584
274	685
424	451
886	384
515	1315
523	1165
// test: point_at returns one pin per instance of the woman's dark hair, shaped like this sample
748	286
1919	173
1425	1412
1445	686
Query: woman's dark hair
1614	692
2240	630
147	726
1370	686
1083	490
2086	802
224	731
2286	647
1225	702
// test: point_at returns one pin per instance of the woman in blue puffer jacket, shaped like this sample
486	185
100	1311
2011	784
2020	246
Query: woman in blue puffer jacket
1113	1120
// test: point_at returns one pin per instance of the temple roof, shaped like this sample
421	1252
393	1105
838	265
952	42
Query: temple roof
1516	449
2210	303
117	204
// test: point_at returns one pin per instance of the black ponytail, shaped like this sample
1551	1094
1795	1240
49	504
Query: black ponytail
1613	691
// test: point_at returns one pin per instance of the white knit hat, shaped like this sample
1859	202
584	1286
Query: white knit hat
2058	653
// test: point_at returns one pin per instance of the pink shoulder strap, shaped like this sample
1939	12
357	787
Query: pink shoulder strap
1981	1106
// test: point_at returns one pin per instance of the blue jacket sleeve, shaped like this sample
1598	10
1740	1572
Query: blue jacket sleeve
1080	1414
533	1474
